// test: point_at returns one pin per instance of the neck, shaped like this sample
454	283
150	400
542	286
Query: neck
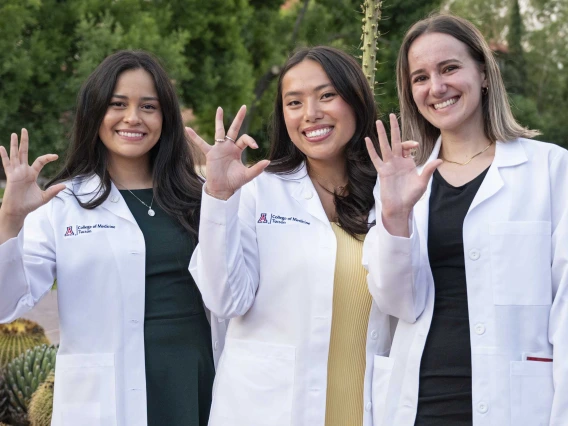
131	173
331	173
461	144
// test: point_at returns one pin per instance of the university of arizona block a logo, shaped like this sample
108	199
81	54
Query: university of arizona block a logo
69	232
262	218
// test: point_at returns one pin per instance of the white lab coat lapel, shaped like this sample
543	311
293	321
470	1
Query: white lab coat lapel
90	186
506	155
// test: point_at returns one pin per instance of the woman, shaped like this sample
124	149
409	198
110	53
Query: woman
135	342
473	261
280	253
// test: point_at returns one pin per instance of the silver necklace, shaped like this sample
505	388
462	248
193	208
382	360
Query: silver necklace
151	212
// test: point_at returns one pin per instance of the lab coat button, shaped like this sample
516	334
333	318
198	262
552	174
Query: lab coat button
216	346
308	195
368	406
479	328
482	408
374	335
114	199
133	321
474	254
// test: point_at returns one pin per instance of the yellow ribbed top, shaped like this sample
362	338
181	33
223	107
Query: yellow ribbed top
350	317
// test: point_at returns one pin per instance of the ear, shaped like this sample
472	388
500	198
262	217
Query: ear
483	72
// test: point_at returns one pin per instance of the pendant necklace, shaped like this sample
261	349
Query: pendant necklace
336	189
151	211
468	161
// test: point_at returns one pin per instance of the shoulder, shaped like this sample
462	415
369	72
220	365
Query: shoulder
541	148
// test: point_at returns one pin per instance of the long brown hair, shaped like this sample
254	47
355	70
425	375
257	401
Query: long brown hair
348	79
177	187
499	123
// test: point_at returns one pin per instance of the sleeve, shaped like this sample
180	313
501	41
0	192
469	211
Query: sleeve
558	324
394	267
225	264
27	265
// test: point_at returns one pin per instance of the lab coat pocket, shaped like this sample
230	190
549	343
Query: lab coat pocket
532	391
85	392
382	371
521	263
254	385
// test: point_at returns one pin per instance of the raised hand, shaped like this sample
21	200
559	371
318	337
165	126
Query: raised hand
401	185
22	194
225	171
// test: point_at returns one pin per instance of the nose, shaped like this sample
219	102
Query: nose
437	86
131	115
312	110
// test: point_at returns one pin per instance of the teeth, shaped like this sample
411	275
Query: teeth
131	135
446	103
319	132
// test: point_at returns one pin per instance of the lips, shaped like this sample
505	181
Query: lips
130	134
446	103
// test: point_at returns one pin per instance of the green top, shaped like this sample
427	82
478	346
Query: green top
177	336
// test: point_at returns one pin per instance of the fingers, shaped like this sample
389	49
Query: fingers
14	157
24	145
233	131
4	156
429	170
219	126
40	162
255	170
52	191
383	141
395	136
408	147
246	140
197	140
377	162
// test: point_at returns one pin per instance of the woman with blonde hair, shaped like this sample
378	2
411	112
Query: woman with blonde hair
473	259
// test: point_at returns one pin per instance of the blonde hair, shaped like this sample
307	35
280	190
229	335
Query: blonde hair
499	123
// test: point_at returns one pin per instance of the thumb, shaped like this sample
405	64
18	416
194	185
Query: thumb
51	192
255	170
429	170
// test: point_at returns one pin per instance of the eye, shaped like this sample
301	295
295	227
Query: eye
328	95
118	104
149	107
450	68
419	79
293	103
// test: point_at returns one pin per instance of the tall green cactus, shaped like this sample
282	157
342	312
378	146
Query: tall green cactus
371	18
23	375
41	405
17	337
3	400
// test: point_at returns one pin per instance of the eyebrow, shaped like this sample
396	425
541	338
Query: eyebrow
317	89
144	98
440	64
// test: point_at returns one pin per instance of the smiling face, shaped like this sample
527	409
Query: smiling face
132	124
446	83
319	122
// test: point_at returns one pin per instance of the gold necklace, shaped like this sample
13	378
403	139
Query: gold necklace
336	189
468	161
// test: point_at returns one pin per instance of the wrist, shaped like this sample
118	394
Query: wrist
219	195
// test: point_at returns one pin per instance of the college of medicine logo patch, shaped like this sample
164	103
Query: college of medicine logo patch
69	232
262	218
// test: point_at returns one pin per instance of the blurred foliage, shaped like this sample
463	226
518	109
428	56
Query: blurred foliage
229	52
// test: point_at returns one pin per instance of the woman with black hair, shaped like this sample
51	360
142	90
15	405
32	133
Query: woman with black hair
116	227
280	253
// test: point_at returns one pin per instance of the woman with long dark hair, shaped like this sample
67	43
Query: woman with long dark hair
116	227
280	253
471	258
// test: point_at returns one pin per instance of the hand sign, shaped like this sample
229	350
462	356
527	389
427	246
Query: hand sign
225	171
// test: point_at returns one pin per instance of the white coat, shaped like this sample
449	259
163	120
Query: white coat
98	257
266	259
515	238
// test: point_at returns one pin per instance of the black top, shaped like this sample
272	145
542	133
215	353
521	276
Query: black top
177	335
444	396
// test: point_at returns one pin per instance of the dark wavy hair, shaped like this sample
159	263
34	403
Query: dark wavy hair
177	187
348	79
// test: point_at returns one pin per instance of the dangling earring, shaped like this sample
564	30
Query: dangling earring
484	90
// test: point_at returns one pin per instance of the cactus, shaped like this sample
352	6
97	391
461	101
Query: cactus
17	337
41	405
3	400
23	376
371	18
